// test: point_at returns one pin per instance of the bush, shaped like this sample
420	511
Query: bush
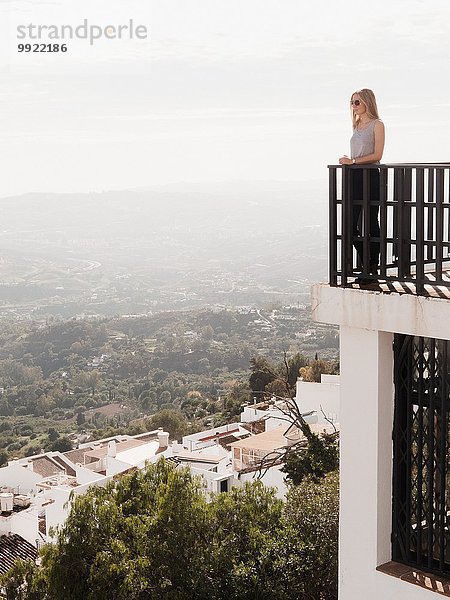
14	447
312	524
26	430
62	444
3	458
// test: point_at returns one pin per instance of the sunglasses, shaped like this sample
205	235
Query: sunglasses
355	102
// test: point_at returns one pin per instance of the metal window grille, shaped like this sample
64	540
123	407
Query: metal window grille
421	469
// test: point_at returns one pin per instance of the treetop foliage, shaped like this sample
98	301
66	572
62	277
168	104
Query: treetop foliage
153	535
280	379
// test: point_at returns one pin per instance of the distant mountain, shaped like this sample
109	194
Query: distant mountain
239	239
241	207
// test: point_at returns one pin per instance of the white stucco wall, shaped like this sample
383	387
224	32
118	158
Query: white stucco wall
386	587
250	414
191	442
86	475
366	459
212	480
115	466
367	322
57	511
24	523
272	478
320	397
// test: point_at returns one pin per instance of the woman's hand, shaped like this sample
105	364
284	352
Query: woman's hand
345	160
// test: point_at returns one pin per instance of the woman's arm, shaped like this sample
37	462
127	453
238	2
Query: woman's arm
377	154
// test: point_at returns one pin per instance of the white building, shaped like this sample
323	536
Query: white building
35	491
395	405
319	404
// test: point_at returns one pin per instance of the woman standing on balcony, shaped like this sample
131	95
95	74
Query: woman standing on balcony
366	145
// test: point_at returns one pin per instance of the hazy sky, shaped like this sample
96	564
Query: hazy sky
220	90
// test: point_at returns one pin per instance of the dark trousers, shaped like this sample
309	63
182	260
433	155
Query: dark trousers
356	180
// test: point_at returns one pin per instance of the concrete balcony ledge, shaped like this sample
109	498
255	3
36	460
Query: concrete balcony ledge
378	311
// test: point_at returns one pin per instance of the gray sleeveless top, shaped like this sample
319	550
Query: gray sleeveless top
362	141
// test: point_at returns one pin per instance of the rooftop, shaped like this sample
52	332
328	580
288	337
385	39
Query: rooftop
134	455
77	456
13	547
276	438
267	441
120	447
46	466
186	456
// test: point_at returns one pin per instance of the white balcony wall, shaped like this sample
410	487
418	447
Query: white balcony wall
368	321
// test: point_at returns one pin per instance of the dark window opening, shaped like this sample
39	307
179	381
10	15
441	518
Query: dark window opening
421	470
42	522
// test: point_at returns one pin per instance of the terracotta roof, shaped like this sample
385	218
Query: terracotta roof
229	439
69	469
46	467
147	437
13	547
255	426
77	456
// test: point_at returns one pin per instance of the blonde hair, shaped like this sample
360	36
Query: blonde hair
367	97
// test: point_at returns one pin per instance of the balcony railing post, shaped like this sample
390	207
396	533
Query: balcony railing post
430	219
383	220
407	222
346	246
366	221
333	240
403	198
439	223
420	208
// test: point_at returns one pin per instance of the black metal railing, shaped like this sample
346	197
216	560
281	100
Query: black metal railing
390	223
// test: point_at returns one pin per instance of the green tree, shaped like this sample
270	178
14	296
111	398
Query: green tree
62	444
316	458
88	380
294	364
18	582
144	537
3	458
307	549
81	419
52	434
5	408
262	374
172	421
244	521
152	535
316	368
